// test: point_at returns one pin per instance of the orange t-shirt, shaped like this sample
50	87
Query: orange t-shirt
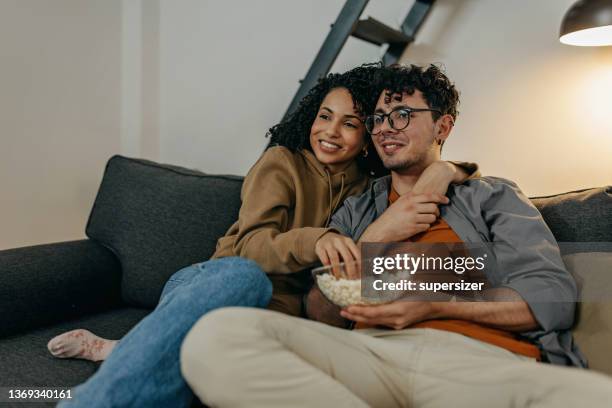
440	231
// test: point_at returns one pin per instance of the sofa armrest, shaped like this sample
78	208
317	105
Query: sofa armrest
46	284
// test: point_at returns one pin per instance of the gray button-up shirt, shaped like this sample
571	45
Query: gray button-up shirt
491	209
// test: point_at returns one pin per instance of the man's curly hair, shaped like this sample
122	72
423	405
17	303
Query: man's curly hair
294	131
438	91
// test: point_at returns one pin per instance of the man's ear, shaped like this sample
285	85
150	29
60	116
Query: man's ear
444	125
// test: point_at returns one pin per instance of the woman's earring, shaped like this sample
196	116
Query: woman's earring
365	152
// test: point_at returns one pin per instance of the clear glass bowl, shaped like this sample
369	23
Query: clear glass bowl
333	282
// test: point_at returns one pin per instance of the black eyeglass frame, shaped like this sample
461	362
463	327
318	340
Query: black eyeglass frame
388	116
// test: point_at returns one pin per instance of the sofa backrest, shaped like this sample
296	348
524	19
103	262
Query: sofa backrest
158	219
579	216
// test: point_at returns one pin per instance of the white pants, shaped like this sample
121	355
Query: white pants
240	357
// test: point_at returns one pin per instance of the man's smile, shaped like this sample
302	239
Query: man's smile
391	146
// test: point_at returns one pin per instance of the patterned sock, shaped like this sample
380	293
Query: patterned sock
81	344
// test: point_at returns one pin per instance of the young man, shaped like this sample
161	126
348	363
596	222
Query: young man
463	354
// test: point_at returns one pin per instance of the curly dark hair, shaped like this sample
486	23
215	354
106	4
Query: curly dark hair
438	91
294	131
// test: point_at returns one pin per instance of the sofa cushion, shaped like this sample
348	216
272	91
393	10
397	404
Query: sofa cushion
25	360
158	219
579	216
593	326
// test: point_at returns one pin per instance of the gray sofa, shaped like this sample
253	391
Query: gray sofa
150	220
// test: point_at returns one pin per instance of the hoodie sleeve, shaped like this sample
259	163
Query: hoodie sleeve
268	197
470	168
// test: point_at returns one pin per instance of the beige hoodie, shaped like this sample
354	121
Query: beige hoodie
287	201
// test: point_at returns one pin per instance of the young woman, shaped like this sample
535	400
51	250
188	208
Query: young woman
315	159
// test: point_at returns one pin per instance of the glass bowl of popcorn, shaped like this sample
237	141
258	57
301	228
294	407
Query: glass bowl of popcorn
336	285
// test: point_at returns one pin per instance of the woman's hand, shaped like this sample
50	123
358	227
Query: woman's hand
438	176
333	248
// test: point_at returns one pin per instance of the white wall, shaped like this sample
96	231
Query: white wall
59	114
230	68
532	109
84	79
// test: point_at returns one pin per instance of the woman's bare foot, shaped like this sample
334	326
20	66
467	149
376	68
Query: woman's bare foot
81	344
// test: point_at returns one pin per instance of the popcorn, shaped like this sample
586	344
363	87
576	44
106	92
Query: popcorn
342	292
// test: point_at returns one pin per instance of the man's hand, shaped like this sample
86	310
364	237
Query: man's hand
396	315
509	313
438	176
408	216
322	310
333	248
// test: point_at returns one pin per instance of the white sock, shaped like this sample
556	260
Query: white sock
82	344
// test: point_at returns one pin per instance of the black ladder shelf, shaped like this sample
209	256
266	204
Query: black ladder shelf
370	30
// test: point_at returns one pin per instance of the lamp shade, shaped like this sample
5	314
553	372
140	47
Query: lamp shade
587	23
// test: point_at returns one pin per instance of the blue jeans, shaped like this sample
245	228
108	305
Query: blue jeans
144	368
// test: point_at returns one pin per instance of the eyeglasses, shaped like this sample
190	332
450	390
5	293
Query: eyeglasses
399	119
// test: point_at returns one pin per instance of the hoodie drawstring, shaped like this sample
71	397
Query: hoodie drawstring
332	208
